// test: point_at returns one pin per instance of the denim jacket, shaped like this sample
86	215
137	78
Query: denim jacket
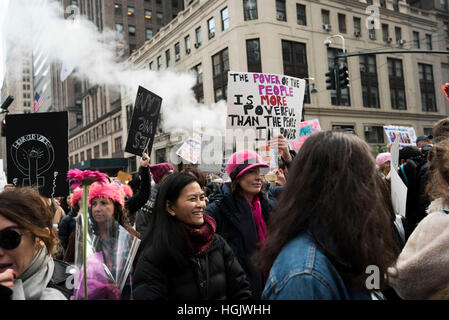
302	272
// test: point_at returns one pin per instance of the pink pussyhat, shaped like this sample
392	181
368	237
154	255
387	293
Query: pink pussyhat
242	161
382	158
127	189
107	190
77	195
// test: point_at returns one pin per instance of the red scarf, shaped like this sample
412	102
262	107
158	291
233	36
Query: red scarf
201	238
260	222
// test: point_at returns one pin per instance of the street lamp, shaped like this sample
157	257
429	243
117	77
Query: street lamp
328	41
6	104
313	90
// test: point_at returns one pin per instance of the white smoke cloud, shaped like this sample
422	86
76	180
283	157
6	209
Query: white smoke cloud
40	24
3	10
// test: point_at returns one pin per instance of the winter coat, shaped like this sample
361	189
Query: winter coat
66	227
235	222
144	214
142	195
215	275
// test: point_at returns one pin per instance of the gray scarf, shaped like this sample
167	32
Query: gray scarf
32	284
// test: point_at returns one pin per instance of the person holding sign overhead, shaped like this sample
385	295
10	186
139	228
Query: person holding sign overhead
242	209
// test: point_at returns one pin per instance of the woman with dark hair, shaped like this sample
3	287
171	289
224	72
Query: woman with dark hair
27	242
181	257
331	226
242	209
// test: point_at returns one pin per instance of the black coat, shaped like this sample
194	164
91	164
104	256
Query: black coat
235	222
142	195
66	227
216	275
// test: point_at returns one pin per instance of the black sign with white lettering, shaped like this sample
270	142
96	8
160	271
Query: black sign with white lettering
144	122
37	152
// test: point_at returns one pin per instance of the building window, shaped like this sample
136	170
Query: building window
187	44
97	152
341	127
119	27
446	29
397	86
118	9
280	10
369	1
118	144
211	27
132	48
160	156
177	51
396	5
342	23
151	65
130	11
357	27
77	159
370	87
383	3
104	149
250	9
224	19
159	63
301	14
82	156
253	55
339	97
220	63
148	14
372	34
167	58
425	75
429	41
149	33
132	31
416	43
385	33
295	62
159	17
325	17
374	134
443	4
198	37
89	154
398	34
198	88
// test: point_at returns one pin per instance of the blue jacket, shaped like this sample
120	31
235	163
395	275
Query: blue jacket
302	272
235	223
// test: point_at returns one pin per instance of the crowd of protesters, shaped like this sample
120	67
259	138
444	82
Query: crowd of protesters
310	231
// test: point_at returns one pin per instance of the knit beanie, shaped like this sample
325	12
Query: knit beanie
108	190
382	158
421	269
243	161
127	190
77	195
158	170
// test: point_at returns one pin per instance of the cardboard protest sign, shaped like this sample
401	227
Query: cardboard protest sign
398	193
446	90
306	129
124	177
190	151
144	122
406	135
37	150
260	106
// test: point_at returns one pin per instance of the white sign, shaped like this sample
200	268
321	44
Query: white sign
3	180
406	135
395	155
398	193
190	151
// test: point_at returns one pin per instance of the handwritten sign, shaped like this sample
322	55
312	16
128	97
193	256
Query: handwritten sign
144	122
446	90
37	152
262	105
306	129
124	177
190	151
406	135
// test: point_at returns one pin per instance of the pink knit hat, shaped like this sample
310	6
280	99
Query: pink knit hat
158	170
382	158
77	195
127	189
242	161
108	190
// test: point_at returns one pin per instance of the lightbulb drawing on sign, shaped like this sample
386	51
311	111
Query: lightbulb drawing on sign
33	155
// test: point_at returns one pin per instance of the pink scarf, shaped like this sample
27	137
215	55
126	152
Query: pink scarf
260	223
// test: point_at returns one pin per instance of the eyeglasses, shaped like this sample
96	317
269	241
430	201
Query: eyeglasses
10	239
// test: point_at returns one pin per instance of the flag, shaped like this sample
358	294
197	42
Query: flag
37	102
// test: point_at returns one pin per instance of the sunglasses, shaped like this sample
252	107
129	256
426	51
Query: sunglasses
10	239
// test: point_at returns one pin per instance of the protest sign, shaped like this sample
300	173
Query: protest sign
190	151
124	177
394	151
144	122
37	149
3	180
406	135
306	129
260	106
398	193
446	90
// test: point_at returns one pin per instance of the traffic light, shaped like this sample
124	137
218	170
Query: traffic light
330	80
343	77
4	127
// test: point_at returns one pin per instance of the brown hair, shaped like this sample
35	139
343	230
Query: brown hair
440	130
438	186
30	211
333	187
197	174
